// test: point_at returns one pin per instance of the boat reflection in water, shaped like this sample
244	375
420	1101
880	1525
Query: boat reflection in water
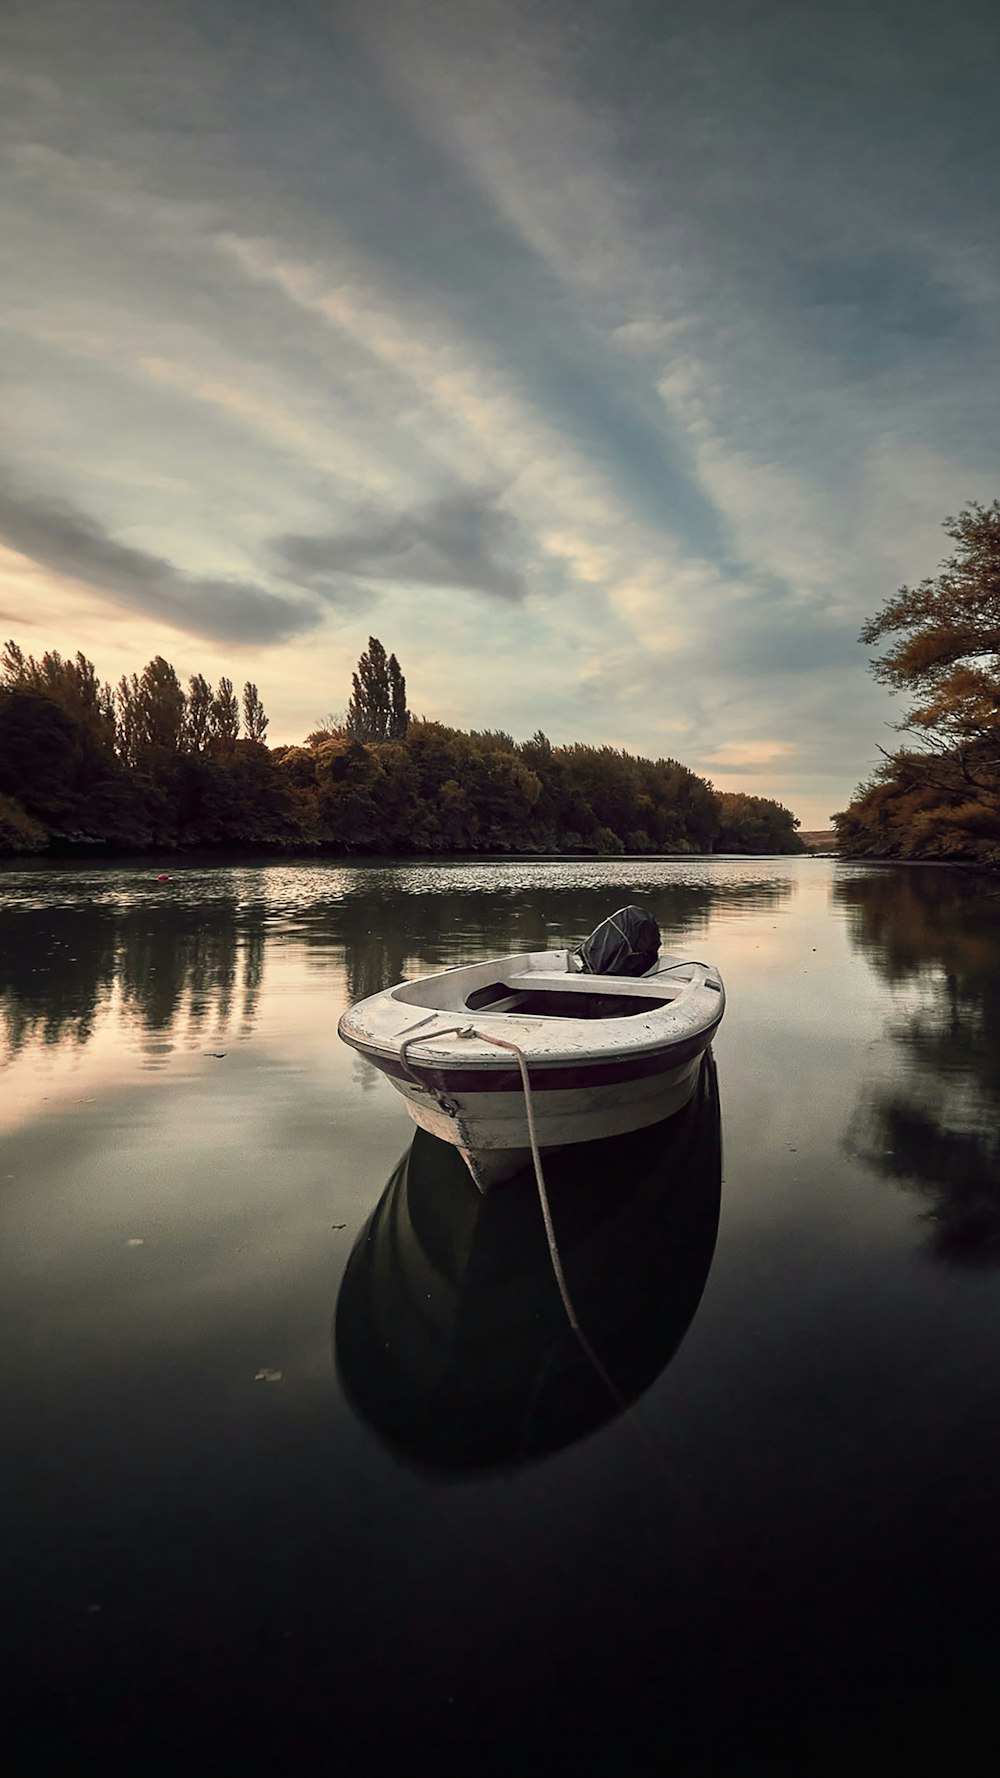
450	1337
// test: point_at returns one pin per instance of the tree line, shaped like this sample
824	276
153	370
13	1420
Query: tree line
938	795
150	764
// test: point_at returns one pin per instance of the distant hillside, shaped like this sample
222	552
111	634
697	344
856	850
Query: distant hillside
824	840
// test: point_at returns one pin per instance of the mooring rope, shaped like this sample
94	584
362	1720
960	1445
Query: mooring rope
425	1037
505	1043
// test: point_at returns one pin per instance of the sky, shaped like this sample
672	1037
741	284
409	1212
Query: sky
611	363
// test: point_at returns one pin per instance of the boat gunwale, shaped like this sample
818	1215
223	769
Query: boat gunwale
675	1049
620	1041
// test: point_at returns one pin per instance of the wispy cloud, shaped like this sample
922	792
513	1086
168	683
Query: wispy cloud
744	755
463	540
69	543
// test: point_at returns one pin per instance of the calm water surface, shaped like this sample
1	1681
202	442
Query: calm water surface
298	1453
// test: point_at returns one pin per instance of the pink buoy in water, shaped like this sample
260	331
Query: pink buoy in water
163	878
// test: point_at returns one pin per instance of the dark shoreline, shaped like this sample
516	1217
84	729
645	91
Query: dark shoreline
202	856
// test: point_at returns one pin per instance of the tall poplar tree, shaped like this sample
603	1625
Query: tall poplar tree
399	716
199	713
369	713
224	725
254	721
160	707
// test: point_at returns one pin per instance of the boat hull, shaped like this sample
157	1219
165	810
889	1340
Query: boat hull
484	1116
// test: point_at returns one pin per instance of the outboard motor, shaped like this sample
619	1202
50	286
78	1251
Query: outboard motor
627	943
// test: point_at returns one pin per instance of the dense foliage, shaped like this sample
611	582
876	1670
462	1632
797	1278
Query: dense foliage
940	797
149	764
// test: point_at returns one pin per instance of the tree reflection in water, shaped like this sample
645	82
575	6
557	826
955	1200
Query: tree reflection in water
173	969
935	1129
190	964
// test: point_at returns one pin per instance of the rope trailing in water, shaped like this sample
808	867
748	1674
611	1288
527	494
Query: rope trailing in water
505	1043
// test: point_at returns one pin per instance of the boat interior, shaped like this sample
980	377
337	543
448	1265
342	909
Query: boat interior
553	1003
520	985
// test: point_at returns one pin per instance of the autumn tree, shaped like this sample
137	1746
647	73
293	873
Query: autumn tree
946	650
941	796
255	723
72	684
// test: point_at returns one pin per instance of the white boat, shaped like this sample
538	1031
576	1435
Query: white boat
605	1054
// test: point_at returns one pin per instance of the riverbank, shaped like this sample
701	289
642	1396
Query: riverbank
200	857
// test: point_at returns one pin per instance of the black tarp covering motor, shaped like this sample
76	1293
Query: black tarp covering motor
627	943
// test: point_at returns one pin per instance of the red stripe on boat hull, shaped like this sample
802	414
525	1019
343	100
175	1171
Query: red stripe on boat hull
551	1077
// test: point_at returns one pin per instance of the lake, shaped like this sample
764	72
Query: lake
299	1457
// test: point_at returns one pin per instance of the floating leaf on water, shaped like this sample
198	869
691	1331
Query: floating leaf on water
135	1241
267	1376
